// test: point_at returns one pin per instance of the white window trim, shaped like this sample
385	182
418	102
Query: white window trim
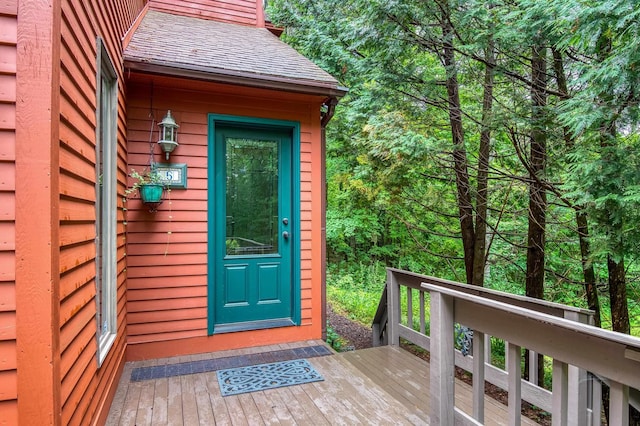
107	207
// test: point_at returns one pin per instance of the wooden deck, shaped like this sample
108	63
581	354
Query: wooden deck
383	385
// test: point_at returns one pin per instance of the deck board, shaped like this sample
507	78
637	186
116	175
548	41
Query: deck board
309	406
145	404
174	401
265	408
220	411
250	409
237	415
130	409
403	384
384	385
160	402
280	409
189	404
296	410
205	412
357	392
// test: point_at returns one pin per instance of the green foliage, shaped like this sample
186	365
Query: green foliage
392	194
334	340
146	177
355	289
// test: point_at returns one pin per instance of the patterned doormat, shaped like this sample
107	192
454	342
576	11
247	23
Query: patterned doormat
259	377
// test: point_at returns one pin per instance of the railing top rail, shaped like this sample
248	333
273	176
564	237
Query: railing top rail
614	355
556	309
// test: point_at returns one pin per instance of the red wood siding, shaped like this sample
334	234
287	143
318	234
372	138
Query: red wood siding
233	11
167	250
85	389
8	358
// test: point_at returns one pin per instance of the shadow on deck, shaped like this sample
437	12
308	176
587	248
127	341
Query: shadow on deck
383	385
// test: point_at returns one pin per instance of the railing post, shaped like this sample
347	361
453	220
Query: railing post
560	393
577	402
478	375
380	325
618	404
514	383
393	308
442	363
375	328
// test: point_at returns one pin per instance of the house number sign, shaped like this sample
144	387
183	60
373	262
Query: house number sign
172	175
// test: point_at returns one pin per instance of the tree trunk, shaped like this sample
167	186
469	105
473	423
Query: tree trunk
480	244
615	258
588	272
537	192
465	208
591	291
618	296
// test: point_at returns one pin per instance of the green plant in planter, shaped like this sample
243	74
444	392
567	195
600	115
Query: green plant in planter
148	183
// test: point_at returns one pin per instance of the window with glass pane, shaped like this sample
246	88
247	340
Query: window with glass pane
106	202
252	196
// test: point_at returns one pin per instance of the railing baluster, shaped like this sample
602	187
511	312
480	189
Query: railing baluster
506	354
575	399
515	383
487	348
560	393
478	375
618	404
442	360
596	399
423	327
533	367
409	308
577	402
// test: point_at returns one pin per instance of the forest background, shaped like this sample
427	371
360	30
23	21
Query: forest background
488	142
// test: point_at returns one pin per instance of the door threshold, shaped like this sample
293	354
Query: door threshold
252	325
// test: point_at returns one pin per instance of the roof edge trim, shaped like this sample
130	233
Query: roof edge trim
126	38
238	78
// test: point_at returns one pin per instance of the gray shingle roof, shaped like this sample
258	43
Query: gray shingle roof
224	52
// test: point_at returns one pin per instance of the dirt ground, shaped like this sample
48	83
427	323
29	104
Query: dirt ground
357	335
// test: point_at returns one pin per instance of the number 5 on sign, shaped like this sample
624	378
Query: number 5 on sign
172	175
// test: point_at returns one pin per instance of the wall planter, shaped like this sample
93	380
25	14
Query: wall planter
150	187
151	193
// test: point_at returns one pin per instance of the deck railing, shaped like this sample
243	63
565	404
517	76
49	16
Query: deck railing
581	353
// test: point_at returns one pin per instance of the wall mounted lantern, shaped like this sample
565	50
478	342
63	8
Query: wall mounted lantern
168	134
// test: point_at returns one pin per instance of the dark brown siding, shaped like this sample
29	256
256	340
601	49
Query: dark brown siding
85	388
233	11
8	374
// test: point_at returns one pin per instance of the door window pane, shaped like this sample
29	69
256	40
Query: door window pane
252	196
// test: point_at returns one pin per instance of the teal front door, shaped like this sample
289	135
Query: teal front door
254	227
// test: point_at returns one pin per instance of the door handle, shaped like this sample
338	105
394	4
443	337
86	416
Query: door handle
285	235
